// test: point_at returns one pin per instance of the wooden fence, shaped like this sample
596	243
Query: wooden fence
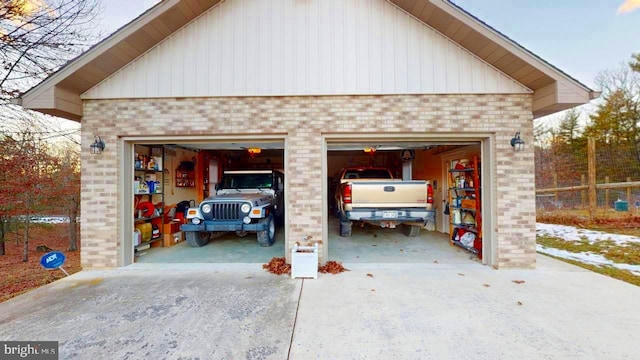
589	186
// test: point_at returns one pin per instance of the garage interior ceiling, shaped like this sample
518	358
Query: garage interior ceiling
234	145
382	146
332	146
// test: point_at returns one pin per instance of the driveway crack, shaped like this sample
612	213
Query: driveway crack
295	320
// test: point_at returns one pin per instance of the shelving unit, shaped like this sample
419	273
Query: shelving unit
465	204
148	188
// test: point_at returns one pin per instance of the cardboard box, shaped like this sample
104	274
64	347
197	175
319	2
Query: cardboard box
170	239
171	227
468	204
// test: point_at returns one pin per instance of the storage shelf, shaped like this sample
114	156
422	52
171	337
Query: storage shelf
147	219
468	248
471	228
462	208
150	241
147	170
468	201
142	174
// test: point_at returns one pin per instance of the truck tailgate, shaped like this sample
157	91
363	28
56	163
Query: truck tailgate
389	194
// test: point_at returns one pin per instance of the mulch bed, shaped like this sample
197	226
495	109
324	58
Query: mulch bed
17	277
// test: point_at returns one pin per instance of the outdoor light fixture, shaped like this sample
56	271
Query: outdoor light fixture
517	143
98	145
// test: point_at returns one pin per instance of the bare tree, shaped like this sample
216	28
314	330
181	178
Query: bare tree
39	36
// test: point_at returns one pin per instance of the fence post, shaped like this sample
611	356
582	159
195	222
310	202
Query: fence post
583	193
591	155
629	204
606	193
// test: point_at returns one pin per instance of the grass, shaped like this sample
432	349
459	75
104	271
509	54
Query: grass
621	254
627	254
615	273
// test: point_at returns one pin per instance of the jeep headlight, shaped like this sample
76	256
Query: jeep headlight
206	208
245	208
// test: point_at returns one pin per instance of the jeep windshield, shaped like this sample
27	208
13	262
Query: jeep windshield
246	181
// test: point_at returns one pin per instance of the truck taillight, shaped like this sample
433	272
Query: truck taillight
429	194
346	194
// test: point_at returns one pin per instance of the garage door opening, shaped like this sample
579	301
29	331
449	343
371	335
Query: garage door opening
168	178
371	239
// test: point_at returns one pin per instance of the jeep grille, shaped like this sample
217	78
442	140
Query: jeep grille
224	211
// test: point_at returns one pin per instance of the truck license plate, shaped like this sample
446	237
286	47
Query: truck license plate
389	214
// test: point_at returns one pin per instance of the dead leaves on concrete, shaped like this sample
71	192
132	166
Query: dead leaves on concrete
332	267
278	266
518	281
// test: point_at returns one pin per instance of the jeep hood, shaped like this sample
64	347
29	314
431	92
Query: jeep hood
250	197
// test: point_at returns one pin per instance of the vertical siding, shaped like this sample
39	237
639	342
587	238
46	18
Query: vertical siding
313	47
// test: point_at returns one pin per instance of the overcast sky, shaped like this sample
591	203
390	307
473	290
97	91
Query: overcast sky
581	37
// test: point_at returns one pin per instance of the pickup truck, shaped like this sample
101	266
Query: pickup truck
245	201
371	195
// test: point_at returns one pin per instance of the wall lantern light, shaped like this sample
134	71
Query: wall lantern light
98	145
517	143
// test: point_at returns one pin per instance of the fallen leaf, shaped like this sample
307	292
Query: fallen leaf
461	274
435	262
519	303
373	289
518	281
495	267
401	250
249	277
486	285
374	245
370	275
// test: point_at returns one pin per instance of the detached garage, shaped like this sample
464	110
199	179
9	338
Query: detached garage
310	85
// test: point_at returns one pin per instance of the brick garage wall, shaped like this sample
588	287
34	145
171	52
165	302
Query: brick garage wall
304	120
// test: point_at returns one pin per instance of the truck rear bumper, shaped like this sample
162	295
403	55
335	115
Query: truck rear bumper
392	215
224	226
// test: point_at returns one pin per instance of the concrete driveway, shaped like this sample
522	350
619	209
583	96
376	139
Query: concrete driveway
375	311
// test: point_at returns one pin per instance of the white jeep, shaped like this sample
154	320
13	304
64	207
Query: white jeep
245	201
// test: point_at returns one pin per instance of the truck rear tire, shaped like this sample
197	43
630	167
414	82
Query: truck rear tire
197	238
345	228
411	230
267	237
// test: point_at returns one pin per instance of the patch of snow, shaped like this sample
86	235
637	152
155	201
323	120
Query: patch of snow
588	258
571	233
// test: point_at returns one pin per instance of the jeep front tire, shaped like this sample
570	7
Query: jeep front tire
197	238
267	237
